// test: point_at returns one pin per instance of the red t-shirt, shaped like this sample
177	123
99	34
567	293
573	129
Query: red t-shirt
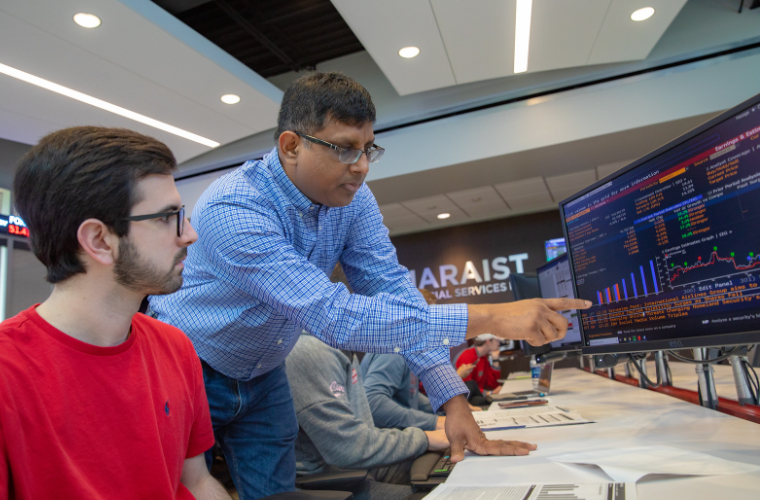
82	421
486	377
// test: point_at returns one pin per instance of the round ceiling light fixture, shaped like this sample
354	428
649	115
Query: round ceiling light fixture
409	52
230	99
642	14
87	20
444	216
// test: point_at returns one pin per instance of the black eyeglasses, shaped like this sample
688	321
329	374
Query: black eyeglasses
165	216
349	155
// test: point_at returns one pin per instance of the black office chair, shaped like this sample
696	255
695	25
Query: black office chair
336	480
311	495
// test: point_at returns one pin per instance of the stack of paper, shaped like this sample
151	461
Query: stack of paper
519	418
590	491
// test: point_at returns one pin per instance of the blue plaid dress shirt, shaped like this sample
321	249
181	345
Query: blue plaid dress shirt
259	274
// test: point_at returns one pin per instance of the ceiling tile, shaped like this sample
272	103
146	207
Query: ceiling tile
621	39
480	42
564	186
562	34
429	208
385	27
479	201
525	194
525	187
397	217
606	169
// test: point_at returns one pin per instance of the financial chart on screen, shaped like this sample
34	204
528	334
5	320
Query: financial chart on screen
670	249
555	281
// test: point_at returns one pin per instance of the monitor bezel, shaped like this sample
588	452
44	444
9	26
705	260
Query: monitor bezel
720	340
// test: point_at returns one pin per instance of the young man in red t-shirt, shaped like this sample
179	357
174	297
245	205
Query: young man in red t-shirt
97	401
481	364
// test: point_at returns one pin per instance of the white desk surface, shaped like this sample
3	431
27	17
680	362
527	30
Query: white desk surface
626	417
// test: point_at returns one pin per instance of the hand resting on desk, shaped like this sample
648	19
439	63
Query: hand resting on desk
464	433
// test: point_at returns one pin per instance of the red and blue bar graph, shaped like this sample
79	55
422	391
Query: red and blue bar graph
610	294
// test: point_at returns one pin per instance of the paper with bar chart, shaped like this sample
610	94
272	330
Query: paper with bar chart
583	491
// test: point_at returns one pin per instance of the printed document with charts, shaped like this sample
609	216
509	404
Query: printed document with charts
518	418
587	491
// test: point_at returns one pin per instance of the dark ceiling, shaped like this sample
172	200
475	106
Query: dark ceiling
269	36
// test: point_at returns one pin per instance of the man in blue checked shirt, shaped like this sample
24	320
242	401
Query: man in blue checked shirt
270	234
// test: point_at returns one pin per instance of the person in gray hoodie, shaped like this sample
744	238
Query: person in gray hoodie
336	430
393	392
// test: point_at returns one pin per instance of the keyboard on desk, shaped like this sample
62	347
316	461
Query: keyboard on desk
443	466
431	469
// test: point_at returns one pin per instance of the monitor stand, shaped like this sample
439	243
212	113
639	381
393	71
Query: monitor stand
661	361
708	397
643	383
743	394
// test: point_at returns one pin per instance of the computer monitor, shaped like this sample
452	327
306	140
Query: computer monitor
554	248
555	281
668	248
526	287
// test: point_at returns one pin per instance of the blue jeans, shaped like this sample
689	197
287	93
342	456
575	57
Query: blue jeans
255	425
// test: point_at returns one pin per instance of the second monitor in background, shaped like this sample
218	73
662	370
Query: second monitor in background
555	281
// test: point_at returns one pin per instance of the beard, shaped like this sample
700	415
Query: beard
135	273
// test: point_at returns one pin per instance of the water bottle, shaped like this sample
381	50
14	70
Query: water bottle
535	372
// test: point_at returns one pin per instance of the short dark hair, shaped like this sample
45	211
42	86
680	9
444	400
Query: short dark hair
77	174
309	100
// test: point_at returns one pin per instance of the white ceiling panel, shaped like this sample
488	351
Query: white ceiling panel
525	194
397	217
606	169
562	34
429	208
479	201
385	27
464	42
621	39
564	186
130	61
479	37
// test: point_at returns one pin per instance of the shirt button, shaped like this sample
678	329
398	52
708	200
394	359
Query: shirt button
258	366
279	342
396	349
445	341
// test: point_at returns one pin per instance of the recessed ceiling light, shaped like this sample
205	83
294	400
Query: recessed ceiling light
643	14
98	103
522	34
87	20
409	52
444	216
230	99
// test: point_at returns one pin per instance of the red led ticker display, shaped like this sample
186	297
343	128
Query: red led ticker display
13	225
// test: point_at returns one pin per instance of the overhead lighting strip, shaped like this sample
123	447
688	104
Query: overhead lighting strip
522	34
98	103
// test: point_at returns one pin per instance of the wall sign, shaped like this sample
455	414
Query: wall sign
15	226
472	264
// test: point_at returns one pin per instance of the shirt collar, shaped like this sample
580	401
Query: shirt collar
294	195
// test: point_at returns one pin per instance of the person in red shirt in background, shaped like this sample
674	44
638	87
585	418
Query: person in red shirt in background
481	364
97	401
